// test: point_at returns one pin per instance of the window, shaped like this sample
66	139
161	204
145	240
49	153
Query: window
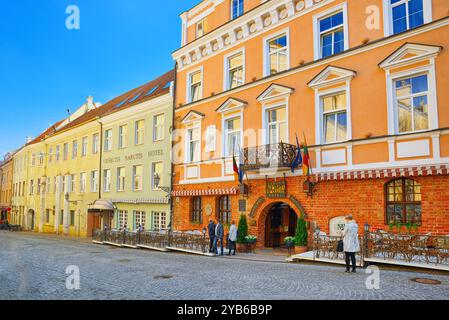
158	127
121	178
31	187
38	186
72	183
234	71
83	182
193	142
107	180
197	210
157	171
61	217
33	159
72	218
334	117
122	136
74	149
412	107
66	151
195	86
47	216
201	28
403	199
277	59
94	181
159	221
122	219
58	153
140	219
277	125
48	185
232	136
84	147
224	210
63	185
95	143
137	178
108	140
331	34
50	155
41	158
139	132
237	8
406	14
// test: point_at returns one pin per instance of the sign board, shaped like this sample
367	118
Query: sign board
336	226
276	189
242	205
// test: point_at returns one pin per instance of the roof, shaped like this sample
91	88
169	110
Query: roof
150	90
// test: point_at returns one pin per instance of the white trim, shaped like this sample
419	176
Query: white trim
421	51
224	118
388	15
192	125
226	84
268	107
320	81
266	58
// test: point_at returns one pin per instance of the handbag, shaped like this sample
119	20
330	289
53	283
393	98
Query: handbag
340	246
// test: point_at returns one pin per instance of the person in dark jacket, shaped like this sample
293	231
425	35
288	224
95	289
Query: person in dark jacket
211	231
219	235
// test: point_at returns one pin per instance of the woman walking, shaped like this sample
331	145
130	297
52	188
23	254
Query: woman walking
351	242
232	237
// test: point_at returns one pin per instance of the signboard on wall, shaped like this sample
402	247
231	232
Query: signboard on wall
336	226
276	189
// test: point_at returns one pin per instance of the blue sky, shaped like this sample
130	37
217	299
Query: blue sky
47	69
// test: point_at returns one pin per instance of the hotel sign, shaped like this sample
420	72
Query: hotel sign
276	189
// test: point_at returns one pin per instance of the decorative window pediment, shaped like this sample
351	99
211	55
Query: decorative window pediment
275	91
231	104
192	116
410	53
330	76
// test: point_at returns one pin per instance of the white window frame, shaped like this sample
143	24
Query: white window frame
122	218
157	218
140	217
134	177
83	182
58	153
94	176
72	179
265	124
161	176
343	7
122	136
74	149
194	125
121	180
108	140
107	180
232	9
138	131
95	143
322	96
155	127
388	15
84	146
225	140
50	155
226	69
201	23
189	84
266	49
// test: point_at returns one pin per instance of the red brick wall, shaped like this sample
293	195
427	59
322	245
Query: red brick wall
364	199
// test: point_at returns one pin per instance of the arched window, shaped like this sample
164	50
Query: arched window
403	199
224	209
197	210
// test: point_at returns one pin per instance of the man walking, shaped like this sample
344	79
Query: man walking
219	235
211	231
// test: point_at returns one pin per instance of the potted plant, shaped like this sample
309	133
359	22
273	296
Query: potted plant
289	242
301	236
250	243
242	232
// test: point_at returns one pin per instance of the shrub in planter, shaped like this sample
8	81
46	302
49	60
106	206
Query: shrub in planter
251	239
301	236
242	232
289	242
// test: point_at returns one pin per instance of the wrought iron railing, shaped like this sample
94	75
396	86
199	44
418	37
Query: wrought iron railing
325	246
154	239
280	155
195	241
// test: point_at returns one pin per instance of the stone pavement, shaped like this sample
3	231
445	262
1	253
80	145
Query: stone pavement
33	267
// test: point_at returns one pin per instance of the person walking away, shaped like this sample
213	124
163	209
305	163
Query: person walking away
232	238
211	231
219	235
351	242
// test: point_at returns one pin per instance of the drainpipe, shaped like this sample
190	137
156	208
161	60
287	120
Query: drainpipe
171	154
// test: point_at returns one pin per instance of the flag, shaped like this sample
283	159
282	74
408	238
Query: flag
235	168
298	158
241	170
306	167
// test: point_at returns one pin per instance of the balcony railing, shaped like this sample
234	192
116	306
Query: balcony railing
279	155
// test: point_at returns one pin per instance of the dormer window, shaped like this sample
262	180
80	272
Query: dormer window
237	8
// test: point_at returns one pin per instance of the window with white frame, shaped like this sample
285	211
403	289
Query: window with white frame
50	155
406	14
277	54
63	185
66	151
48	185
195	86
232	132
334	117
107	180
108	140
139	132
83	182
122	219
237	8
331	34
123	136
137	178
38	184
140	219
193	144
41	158
158	127
94	181
412	103
74	149
33	159
157	169
72	183
31	187
159	221
277	125
84	147
121	178
58	153
201	28
95	143
234	71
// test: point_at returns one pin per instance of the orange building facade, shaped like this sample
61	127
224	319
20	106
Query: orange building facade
361	82
6	188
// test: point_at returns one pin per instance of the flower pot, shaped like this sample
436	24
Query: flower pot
300	249
241	247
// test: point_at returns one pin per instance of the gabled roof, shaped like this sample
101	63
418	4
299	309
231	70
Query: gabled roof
410	53
273	91
231	104
331	75
192	116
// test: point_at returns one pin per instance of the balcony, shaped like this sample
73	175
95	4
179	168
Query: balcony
271	156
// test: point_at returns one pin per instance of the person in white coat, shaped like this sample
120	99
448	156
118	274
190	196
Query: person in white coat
232	238
351	242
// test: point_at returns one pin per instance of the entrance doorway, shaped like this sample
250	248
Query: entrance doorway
31	217
280	222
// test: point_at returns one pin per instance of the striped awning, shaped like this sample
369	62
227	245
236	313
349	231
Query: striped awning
205	192
384	173
143	201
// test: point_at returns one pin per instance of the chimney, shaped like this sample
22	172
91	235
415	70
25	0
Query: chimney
29	139
90	102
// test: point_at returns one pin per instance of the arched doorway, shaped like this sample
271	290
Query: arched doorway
280	222
31	216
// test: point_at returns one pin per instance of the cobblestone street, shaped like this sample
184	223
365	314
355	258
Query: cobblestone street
33	267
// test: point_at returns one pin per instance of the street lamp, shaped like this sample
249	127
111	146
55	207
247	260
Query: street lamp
367	226
156	180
